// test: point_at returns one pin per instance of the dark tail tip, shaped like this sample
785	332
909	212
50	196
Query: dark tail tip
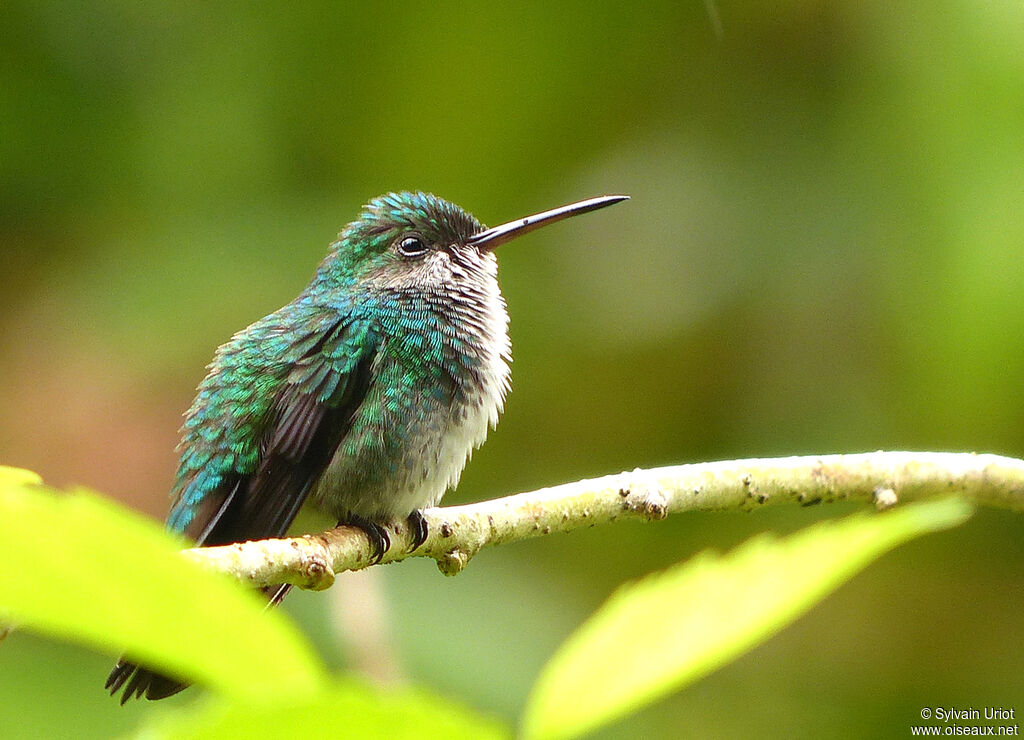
138	682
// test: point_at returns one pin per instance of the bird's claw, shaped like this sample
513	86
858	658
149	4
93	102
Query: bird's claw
418	529
380	541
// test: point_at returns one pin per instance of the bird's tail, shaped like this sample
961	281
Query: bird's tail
139	681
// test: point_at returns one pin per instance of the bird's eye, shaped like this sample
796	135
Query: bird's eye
411	246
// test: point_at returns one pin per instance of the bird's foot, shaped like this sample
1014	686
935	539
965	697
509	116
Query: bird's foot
418	528
380	541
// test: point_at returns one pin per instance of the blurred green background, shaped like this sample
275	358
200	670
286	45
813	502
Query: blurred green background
822	254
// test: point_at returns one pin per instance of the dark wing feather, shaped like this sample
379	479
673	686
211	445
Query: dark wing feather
313	411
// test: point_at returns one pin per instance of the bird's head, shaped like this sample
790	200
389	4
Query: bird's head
404	240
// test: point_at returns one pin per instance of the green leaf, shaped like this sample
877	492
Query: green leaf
669	629
82	568
347	709
18	476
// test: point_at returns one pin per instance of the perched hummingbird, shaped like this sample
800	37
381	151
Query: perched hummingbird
363	397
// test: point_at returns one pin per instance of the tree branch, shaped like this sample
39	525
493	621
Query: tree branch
457	533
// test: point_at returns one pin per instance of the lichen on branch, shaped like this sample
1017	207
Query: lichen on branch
457	533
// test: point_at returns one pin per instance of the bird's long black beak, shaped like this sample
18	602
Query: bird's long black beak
489	239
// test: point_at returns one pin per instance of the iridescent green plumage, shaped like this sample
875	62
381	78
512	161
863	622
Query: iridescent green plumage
363	397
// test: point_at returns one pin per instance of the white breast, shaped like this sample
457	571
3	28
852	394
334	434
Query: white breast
471	418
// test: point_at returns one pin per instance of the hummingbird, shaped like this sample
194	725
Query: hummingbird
362	398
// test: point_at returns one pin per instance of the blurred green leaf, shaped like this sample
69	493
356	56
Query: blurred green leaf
81	568
18	476
664	631
347	709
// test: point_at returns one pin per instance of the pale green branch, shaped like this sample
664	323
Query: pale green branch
457	533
